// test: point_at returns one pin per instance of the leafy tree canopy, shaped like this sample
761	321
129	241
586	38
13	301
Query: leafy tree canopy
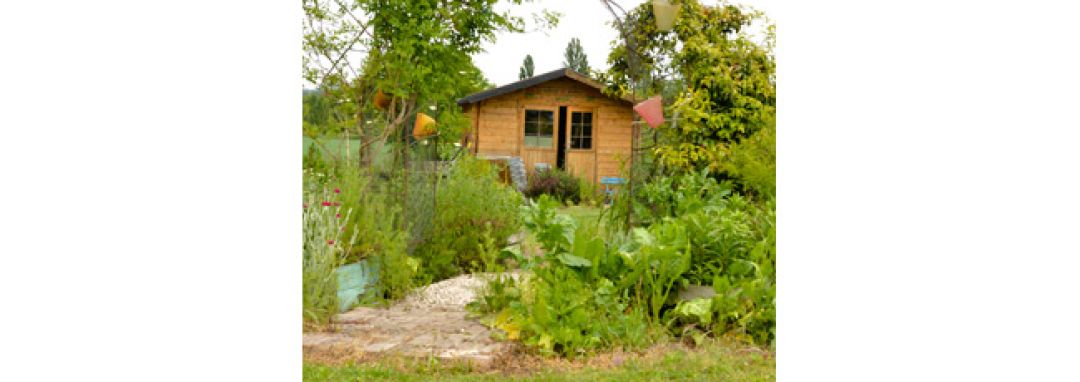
575	58
725	83
526	69
415	52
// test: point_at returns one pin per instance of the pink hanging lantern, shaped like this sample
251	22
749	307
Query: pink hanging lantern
651	110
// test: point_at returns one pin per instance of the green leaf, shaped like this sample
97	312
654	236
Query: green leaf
700	308
573	261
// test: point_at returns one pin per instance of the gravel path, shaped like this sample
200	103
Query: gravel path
450	294
431	321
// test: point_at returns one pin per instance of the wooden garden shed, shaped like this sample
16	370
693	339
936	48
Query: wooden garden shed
559	119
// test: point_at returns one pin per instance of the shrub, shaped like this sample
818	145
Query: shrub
590	193
555	183
586	294
473	210
700	233
752	162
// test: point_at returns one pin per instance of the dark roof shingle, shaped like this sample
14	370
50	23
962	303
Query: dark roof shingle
532	81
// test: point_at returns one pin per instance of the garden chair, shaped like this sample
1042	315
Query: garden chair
610	182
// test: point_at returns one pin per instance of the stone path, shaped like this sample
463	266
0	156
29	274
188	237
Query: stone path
431	322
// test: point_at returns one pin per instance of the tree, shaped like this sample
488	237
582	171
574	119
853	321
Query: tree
726	89
526	70
415	52
575	58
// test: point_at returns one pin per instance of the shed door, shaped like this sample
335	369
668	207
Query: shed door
538	137
581	144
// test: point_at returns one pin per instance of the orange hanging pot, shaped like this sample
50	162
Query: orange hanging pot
382	101
424	126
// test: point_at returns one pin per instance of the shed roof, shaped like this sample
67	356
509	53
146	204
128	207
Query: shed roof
535	80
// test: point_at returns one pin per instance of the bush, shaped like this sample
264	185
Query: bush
474	210
586	294
555	183
373	225
752	162
700	233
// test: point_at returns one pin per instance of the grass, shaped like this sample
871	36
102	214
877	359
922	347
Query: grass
715	360
584	215
334	145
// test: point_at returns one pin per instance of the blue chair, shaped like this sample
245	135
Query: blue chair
609	183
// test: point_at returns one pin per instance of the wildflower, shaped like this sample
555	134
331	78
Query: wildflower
305	205
337	216
326	204
330	242
337	190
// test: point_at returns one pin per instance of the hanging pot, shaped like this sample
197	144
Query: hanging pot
382	101
664	12
424	126
651	110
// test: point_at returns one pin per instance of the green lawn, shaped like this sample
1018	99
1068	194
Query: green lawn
714	361
582	214
336	146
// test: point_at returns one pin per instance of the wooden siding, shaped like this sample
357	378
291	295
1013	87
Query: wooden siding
499	126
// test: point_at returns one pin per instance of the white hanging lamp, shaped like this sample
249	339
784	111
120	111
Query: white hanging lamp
664	12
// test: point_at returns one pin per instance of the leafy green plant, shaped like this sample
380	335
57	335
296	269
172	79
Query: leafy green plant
475	216
553	230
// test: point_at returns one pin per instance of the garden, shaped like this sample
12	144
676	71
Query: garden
420	261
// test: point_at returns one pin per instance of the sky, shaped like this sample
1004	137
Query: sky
585	19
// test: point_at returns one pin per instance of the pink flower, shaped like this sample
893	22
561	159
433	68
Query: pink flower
337	216
326	204
337	190
331	242
305	205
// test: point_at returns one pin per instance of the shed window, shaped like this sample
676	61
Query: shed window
539	128
581	130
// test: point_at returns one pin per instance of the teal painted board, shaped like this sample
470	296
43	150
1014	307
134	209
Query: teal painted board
353	280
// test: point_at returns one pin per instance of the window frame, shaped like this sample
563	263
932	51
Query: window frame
554	127
570	129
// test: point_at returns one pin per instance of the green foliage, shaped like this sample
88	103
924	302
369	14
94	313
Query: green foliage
324	250
589	193
415	52
726	81
586	294
526	69
752	162
474	210
575	58
553	230
556	183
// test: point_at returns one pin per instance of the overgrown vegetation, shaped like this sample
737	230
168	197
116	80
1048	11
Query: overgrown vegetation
325	245
475	216
555	183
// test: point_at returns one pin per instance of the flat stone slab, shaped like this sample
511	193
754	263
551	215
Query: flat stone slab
412	332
